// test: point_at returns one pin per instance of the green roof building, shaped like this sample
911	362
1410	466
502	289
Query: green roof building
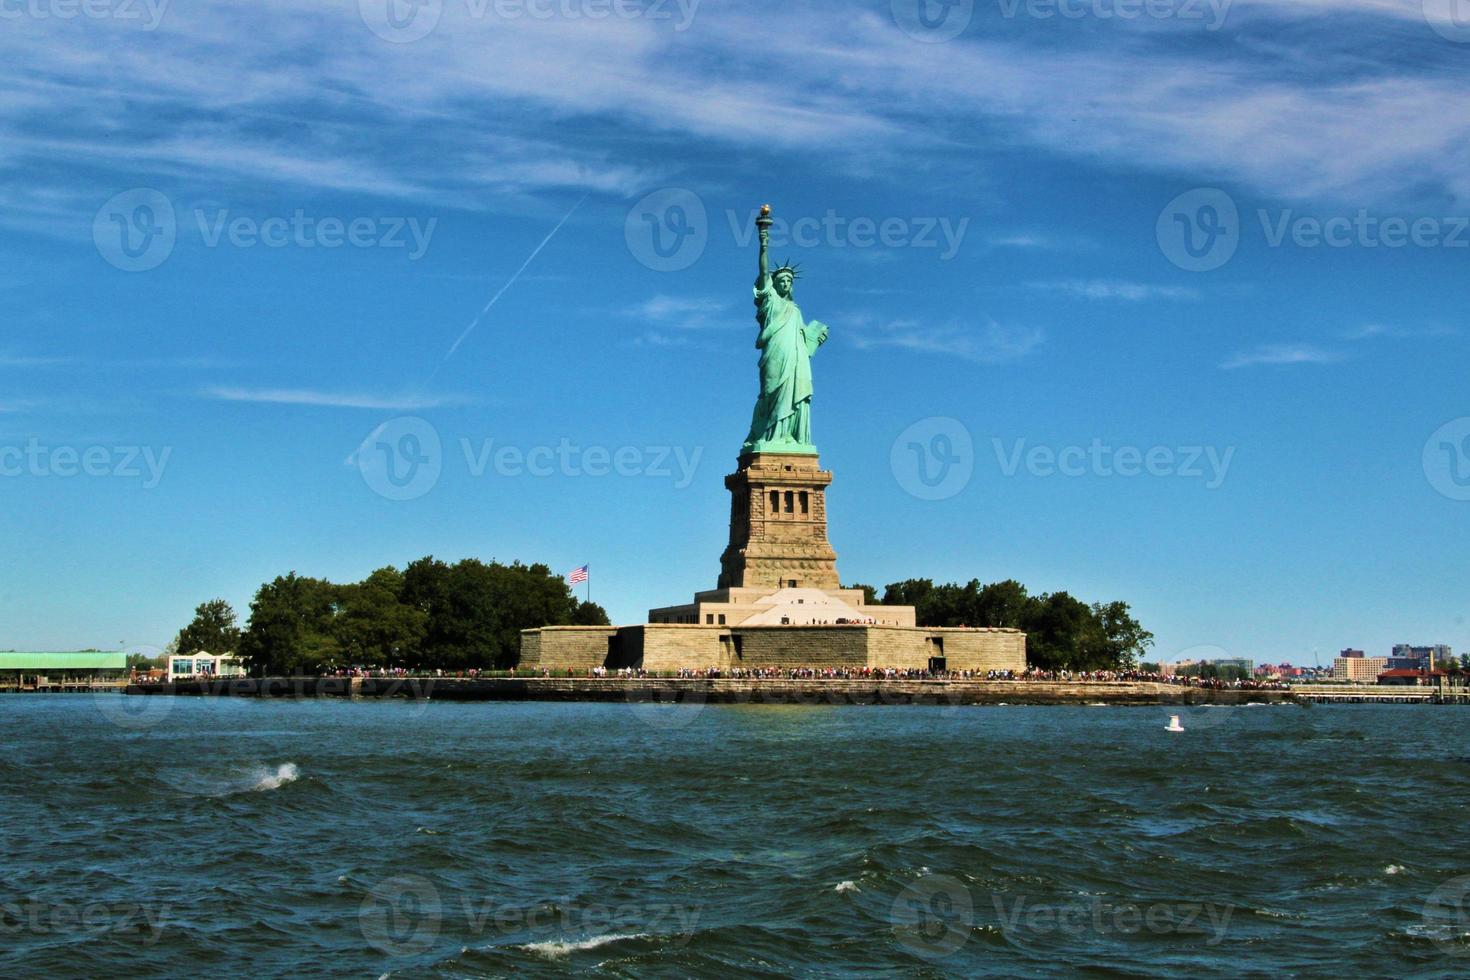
31	669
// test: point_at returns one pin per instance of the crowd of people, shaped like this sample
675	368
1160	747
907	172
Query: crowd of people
832	673
1114	676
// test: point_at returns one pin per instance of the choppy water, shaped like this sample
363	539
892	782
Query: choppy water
183	837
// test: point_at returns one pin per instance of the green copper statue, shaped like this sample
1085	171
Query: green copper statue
782	422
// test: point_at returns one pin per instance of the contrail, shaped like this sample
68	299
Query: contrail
512	281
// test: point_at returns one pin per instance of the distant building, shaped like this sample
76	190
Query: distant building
1403	677
183	666
1351	653
1359	669
1406	656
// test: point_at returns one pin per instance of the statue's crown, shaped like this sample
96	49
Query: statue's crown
787	266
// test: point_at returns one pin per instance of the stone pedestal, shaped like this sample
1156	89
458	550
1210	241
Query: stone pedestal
778	525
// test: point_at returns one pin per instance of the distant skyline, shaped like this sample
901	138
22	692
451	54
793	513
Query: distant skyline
1168	309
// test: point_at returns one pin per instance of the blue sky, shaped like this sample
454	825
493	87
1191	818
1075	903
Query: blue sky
1049	248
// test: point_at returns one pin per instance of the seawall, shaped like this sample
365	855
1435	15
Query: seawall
724	690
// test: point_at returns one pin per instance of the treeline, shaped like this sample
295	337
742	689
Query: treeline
1062	632
429	615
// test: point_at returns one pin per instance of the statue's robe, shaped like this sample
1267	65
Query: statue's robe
782	415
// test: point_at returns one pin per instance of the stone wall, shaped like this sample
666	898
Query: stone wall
983	649
673	647
666	647
579	647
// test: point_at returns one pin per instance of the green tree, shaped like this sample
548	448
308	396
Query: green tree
1062	631
870	594
1125	639
1003	604
291	628
373	626
589	614
213	630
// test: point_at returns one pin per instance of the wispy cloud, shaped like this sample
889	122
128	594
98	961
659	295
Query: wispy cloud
989	342
484	112
679	311
1038	240
1369	331
1282	354
8	360
329	399
1106	289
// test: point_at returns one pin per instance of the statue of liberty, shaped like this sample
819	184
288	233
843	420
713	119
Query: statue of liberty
782	422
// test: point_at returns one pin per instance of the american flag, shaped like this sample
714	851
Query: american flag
579	575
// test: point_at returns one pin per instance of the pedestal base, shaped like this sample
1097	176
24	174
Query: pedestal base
778	525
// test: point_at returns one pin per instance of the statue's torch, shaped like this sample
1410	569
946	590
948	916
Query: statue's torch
763	220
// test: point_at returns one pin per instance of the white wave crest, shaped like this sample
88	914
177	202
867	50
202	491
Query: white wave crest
266	780
558	949
847	886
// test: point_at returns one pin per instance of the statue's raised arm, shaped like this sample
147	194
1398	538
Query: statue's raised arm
782	419
763	227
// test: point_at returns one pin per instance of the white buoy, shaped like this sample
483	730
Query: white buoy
1174	725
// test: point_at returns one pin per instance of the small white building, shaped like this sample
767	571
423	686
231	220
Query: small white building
193	665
